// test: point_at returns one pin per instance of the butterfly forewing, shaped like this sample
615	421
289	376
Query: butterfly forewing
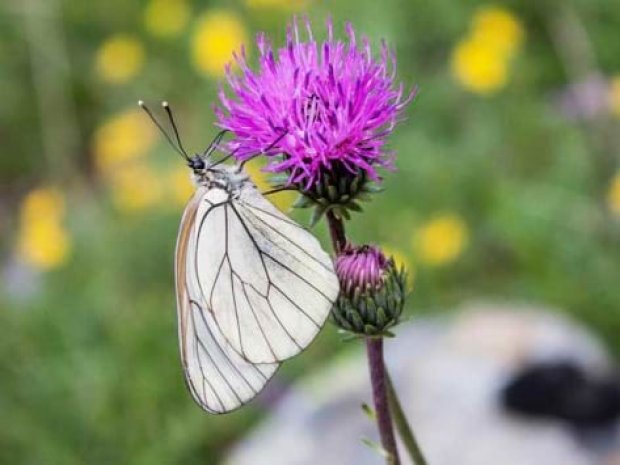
266	280
302	285
219	379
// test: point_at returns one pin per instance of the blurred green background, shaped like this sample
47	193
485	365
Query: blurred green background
507	188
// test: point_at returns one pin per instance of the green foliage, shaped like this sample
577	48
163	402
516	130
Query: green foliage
89	362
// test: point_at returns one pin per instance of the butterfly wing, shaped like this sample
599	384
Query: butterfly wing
219	379
266	280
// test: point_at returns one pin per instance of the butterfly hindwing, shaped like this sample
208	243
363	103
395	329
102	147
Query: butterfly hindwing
219	379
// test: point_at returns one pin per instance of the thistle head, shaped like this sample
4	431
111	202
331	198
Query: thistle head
361	268
335	102
372	292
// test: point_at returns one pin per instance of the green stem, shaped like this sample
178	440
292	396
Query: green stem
402	425
376	364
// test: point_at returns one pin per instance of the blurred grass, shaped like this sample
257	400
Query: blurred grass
88	353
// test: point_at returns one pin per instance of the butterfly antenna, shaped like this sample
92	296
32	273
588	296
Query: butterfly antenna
162	130
174	128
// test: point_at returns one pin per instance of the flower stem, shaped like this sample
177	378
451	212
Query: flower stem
404	429
376	364
336	231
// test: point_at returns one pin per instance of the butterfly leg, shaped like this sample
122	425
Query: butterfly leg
215	143
264	151
277	189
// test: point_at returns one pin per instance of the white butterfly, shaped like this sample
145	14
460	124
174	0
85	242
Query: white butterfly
253	287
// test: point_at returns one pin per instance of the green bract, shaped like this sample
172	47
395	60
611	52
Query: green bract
374	310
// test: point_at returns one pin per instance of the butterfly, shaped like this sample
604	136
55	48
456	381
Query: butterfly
253	287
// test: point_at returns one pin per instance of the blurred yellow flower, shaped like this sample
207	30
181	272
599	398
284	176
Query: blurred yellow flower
42	241
166	18
283	200
481	61
499	28
613	196
217	35
279	4
441	240
479	67
180	185
135	188
259	177
401	260
122	138
614	96
44	245
119	58
42	203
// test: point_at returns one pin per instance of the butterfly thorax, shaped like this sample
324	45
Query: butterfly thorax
229	178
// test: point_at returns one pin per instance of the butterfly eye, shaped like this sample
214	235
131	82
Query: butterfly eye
197	163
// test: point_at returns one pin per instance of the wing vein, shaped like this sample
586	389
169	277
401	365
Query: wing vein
232	284
217	277
202	372
277	317
304	251
293	272
269	281
223	352
260	327
217	368
266	212
296	305
262	253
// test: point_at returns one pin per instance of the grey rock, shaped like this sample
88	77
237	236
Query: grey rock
448	372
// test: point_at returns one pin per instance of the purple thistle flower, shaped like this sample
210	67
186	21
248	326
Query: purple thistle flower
361	267
326	106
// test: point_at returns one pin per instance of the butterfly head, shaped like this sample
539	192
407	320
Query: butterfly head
213	174
206	171
197	164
